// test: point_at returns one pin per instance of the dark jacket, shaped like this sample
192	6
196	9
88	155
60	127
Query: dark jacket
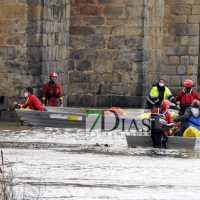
191	117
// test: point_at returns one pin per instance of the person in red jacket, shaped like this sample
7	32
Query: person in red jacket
186	96
32	101
158	130
52	91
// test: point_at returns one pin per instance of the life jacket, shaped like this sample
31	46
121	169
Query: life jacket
193	120
187	98
52	91
158	121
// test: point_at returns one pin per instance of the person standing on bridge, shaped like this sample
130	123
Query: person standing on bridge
52	92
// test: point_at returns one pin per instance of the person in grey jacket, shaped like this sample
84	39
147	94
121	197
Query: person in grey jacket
191	117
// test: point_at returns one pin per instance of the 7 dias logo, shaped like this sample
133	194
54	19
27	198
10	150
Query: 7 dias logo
105	120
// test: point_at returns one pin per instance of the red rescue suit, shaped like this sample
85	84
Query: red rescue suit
52	92
164	112
33	103
186	97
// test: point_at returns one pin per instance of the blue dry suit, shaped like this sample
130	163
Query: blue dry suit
193	118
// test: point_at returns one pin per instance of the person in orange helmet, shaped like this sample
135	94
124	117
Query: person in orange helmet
52	92
186	96
158	130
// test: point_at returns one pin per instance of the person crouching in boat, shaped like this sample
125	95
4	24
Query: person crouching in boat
191	117
32	101
160	117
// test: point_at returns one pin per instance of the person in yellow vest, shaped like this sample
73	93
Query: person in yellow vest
158	93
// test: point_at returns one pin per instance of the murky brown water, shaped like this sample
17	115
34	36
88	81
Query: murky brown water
55	163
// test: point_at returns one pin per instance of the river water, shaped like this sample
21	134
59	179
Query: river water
58	163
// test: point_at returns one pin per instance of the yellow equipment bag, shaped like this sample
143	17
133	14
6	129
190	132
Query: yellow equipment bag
173	115
144	115
27	108
191	132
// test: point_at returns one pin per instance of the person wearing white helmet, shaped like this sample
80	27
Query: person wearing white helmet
52	92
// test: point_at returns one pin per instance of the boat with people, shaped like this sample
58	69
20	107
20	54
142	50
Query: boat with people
135	124
82	118
189	140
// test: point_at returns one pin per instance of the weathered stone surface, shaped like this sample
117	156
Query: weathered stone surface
181	10
34	12
177	29
83	54
8	53
113	11
16	39
96	42
34	54
132	55
117	42
111	77
127	101
13	11
89	10
181	70
93	21
101	66
122	66
103	30
108	54
134	11
172	51
81	30
172	70
191	69
173	60
189	40
93	78
134	43
192	29
76	77
116	21
84	65
111	2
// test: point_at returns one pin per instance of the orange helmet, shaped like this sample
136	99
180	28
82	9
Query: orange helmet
53	74
188	83
165	104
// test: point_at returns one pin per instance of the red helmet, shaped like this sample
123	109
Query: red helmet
53	74
165	104
188	83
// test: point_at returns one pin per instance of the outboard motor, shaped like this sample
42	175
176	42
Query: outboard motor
158	130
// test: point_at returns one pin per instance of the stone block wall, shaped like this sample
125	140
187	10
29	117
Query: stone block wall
34	41
181	42
106	52
115	48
